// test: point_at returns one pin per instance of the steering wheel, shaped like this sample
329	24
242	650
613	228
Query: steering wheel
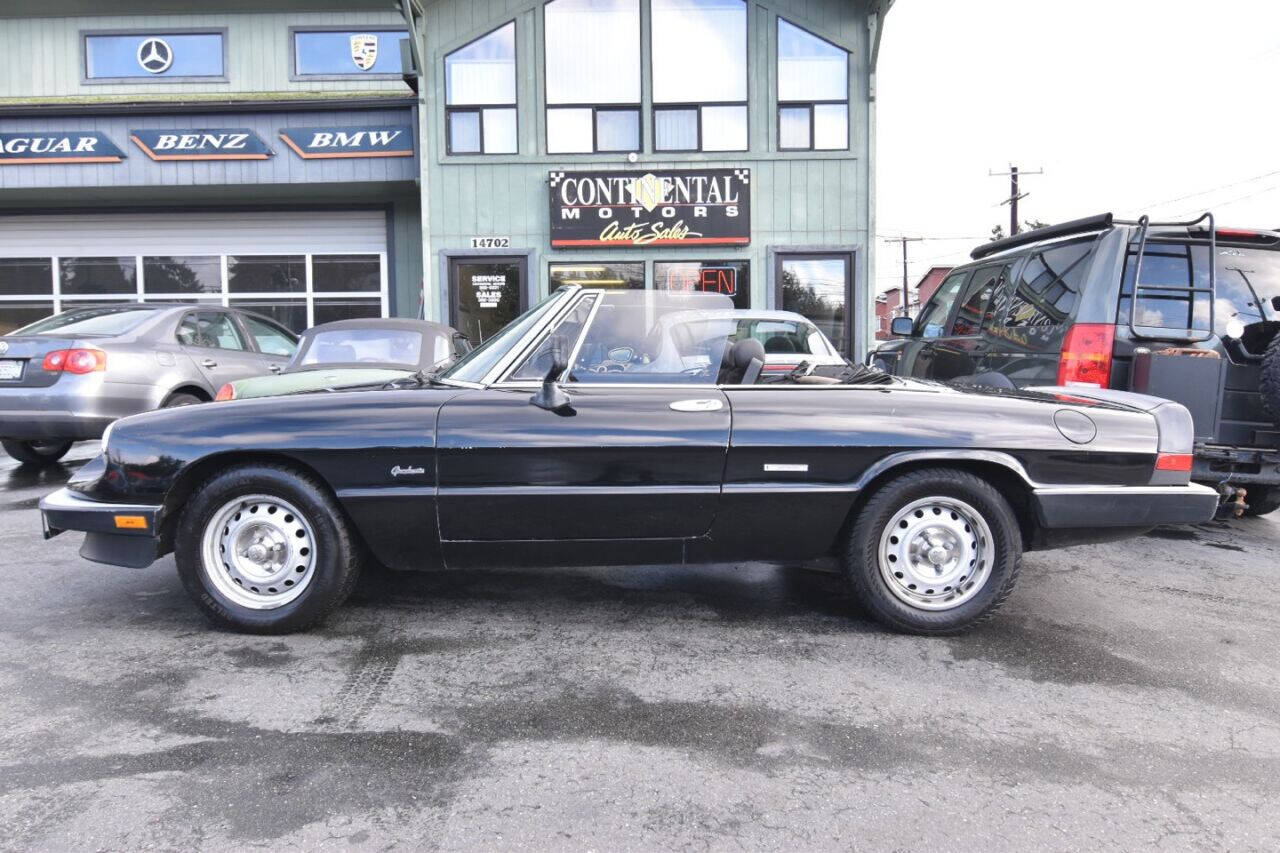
609	366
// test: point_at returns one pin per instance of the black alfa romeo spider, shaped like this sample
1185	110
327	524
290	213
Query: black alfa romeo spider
598	429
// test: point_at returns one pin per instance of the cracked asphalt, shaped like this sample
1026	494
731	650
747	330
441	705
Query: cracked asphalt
1127	697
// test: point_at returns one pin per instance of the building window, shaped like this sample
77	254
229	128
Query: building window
480	95
154	55
367	52
699	75
26	291
730	278
628	275
182	277
820	287
98	276
813	92
599	111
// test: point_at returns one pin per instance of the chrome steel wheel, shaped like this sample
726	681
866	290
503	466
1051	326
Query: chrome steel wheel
259	552
936	553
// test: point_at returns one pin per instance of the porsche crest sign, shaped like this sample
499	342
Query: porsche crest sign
710	207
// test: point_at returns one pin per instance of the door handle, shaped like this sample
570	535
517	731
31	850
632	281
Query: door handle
697	405
274	368
208	362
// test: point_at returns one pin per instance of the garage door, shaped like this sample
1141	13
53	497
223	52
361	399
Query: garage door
301	268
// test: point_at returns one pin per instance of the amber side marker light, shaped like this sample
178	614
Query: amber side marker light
131	522
226	392
1173	462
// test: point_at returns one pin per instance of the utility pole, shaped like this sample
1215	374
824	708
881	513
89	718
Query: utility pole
904	241
1014	195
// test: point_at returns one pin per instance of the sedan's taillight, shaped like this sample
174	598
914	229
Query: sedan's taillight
1086	355
78	361
226	392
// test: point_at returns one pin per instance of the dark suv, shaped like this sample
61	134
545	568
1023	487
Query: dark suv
1054	306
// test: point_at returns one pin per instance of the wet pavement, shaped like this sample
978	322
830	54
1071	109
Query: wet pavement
1128	696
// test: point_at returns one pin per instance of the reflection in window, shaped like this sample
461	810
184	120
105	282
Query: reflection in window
627	275
346	272
567	332
98	276
347	52
975	306
15	315
1167	301
586	34
182	275
1040	305
818	288
700	64
329	310
933	316
26	276
813	91
266	274
730	278
269	339
480	95
290	313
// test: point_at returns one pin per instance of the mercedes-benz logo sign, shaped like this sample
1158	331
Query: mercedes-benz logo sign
155	55
4	347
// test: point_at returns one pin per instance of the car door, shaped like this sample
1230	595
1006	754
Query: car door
213	341
634	457
274	345
962	346
916	355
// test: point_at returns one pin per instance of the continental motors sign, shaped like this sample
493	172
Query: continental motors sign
707	207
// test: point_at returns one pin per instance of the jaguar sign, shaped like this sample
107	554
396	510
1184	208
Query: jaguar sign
664	208
86	146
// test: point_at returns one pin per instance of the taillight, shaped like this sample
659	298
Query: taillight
1086	355
226	392
78	361
1173	461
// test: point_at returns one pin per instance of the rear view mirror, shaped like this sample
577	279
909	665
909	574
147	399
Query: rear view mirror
902	326
551	396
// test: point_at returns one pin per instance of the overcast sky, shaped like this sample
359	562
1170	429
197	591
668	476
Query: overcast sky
1167	107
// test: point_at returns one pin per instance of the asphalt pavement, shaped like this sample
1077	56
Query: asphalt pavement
1128	696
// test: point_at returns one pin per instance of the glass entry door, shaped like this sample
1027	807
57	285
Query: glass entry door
820	287
485	294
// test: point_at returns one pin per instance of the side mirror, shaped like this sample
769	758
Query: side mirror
902	326
551	396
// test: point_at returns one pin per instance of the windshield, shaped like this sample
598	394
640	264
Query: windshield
379	346
475	365
88	322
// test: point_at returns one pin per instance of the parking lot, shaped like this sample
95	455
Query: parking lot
1128	695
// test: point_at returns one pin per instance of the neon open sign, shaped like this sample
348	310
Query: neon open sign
703	280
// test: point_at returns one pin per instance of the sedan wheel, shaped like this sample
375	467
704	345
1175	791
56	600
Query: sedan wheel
934	552
37	452
265	549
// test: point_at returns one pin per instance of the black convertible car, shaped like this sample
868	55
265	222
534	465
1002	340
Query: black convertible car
590	431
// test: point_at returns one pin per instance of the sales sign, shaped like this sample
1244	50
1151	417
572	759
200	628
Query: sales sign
666	208
84	146
314	143
215	144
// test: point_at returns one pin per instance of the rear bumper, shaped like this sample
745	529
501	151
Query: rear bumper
74	407
1067	507
136	546
1215	463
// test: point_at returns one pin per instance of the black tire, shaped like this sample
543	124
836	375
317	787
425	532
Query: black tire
40	453
333	563
180	399
1269	383
970	601
1262	500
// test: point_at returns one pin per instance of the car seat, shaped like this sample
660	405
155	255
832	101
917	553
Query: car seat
741	363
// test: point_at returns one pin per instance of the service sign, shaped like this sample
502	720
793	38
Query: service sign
315	143
76	146
710	207
202	144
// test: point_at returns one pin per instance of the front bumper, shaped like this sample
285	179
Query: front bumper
1073	507
118	534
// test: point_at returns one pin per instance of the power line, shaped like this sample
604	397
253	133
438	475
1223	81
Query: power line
1222	204
1263	176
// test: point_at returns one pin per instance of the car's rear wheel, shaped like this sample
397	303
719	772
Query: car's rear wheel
265	549
934	551
36	452
180	399
1262	500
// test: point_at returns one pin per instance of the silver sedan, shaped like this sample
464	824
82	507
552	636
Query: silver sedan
65	378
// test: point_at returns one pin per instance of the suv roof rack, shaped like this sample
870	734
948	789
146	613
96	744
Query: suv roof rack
1064	229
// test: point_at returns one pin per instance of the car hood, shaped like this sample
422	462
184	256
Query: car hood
314	380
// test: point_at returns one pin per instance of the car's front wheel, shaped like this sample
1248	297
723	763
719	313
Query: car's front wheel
36	452
265	549
934	551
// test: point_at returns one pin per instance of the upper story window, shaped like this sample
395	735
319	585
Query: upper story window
480	95
699	75
813	91
593	76
369	52
154	55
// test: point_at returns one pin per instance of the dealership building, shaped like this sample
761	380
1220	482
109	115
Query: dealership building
455	160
